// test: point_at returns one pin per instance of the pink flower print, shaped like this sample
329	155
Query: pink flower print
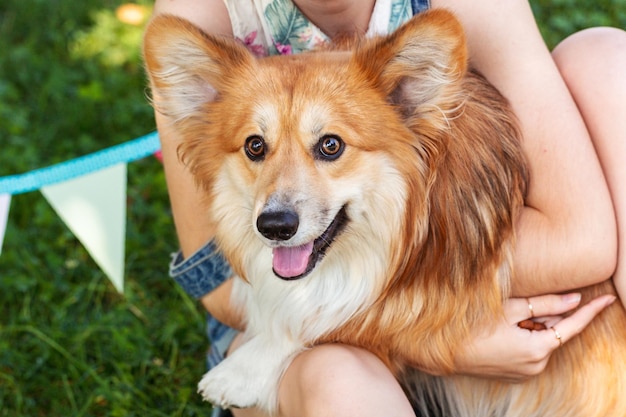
257	50
282	49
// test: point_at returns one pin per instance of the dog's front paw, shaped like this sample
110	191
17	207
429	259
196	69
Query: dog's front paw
250	376
228	387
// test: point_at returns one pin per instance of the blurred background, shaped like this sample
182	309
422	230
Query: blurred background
72	83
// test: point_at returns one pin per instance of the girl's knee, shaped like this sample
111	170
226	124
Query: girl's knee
591	52
342	380
326	369
332	360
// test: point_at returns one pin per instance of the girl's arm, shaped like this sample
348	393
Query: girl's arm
191	217
566	235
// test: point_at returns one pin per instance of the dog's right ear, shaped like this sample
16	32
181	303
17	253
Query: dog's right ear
188	68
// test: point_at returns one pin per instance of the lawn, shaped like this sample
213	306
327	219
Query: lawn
71	83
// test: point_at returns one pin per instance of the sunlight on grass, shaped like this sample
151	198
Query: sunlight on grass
132	14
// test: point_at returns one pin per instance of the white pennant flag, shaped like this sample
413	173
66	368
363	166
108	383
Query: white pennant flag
94	208
5	203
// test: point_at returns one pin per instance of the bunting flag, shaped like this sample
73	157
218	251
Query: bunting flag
5	203
89	195
93	206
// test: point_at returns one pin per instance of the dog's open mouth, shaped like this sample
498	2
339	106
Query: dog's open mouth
291	263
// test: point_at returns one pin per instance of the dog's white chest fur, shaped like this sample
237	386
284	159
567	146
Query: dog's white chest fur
284	317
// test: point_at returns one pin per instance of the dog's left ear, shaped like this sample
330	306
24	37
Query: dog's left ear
418	66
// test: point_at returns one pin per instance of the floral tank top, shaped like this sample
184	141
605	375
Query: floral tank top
277	27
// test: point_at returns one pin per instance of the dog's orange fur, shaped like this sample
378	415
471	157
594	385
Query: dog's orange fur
451	262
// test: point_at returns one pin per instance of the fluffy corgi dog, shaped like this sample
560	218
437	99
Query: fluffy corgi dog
366	194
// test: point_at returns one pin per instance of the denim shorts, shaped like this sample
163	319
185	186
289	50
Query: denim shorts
200	274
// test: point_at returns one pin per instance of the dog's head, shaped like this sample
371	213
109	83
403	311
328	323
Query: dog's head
304	149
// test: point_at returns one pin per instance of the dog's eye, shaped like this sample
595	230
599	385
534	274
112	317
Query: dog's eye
255	148
330	147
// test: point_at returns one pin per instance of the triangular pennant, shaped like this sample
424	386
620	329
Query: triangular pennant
5	203
94	208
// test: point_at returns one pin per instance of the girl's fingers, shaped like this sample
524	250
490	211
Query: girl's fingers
520	309
567	328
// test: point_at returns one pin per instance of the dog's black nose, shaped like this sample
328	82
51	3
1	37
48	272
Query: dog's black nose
278	225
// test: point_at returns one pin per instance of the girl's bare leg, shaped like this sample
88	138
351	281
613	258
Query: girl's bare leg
592	63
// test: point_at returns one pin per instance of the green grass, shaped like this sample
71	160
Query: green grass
71	83
70	344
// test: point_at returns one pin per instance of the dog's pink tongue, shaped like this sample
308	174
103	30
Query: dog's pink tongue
289	262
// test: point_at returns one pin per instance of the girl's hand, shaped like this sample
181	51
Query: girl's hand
512	353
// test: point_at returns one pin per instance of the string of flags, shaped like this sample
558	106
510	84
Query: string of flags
89	194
